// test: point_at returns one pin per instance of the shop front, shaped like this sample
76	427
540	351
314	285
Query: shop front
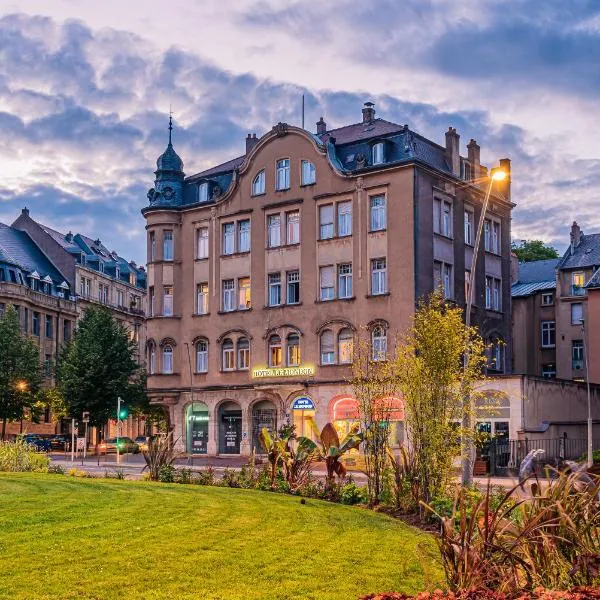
197	420
264	415
230	428
303	412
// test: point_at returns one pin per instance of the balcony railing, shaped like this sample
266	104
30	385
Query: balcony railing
578	290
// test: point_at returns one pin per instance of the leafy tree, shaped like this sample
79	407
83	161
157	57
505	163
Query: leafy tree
20	370
530	250
97	367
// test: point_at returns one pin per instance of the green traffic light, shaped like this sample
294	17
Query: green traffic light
123	413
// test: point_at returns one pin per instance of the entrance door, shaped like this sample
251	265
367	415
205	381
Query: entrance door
197	428
230	429
264	415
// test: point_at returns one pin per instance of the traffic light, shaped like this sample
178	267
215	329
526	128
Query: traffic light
123	412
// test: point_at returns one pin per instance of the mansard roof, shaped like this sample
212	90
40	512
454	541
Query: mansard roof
586	254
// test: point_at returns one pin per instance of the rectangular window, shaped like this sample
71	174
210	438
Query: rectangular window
293	227
576	313
120	298
293	287
442	217
577	353
326	283
493	293
326	221
35	323
309	173
496	237
48	330
547	299
152	246
345	281
243	355
244	235
244	293
202	357
202	298
103	293
283	174
151	301
447	275
377	153
228	287
167	245
378	276
66	330
377	219
274	289
203	192
327	348
344	213
25	320
469	225
47	365
168	301
228	238
548	334
202	242
274	229
487	235
578	283
549	371
228	358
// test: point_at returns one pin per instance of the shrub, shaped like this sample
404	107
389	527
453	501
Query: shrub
166	473
206	477
580	593
73	472
55	469
183	476
353	494
230	478
18	456
160	453
116	474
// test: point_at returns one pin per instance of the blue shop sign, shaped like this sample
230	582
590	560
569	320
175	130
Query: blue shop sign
303	403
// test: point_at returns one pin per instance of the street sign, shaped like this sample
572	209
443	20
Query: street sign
303	403
85	417
80	443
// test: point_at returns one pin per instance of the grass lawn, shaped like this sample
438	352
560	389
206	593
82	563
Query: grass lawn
62	537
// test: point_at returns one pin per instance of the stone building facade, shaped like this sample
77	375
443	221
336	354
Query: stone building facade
263	270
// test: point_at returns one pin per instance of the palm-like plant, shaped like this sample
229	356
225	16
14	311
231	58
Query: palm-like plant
276	448
160	453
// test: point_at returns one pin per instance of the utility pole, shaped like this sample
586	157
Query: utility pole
118	427
590	431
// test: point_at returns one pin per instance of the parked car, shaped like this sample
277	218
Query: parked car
60	442
126	445
142	442
41	444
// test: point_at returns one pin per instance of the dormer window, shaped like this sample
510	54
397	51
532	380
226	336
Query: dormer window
309	173
117	273
258	184
101	267
203	192
377	153
283	174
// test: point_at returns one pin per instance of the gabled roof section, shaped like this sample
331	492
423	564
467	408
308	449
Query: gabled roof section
362	131
586	254
594	281
522	290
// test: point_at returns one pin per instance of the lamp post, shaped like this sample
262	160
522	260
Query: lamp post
590	436
468	446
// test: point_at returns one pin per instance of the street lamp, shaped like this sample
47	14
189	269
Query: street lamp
21	386
468	400
590	436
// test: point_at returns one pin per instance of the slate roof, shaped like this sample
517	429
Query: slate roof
362	131
522	290
61	239
594	281
587	254
226	167
538	270
19	249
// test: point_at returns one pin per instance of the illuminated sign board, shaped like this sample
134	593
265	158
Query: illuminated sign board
283	372
303	403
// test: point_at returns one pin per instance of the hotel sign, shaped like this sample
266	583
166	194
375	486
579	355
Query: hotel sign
283	372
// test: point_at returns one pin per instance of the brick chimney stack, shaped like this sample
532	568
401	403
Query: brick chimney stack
504	185
368	112
251	141
453	150
576	235
474	153
321	126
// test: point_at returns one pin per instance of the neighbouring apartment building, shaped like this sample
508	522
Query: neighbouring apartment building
592	326
262	270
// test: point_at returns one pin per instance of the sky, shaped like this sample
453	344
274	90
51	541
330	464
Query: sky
86	87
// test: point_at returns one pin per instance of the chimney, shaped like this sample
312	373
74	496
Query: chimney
452	150
251	141
69	237
368	112
321	126
514	268
474	153
504	185
25	211
576	235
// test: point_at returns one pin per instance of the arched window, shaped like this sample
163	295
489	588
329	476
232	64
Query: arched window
309	173
377	153
345	346
167	359
293	350
327	347
275	351
202	356
378	343
151	358
228	355
203	192
243	352
258	183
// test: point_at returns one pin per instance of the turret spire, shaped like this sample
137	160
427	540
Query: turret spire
170	124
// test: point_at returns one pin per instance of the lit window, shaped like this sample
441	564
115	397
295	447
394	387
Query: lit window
274	289
327	348
326	221
202	242
168	301
202	298
244	235
578	283
274	229
344	210
275	351
309	173
345	346
378	343
293	227
258	184
167	360
293	350
293	287
378	276
228	355
377	153
228	238
228	295
243	350
167	245
345	280
202	356
327	283
378	213
283	174
244	293
203	192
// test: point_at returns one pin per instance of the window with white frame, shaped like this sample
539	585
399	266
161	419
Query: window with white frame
377	216
202	356
442	217
293	227
228	288
293	287
202	298
326	283
344	218
326	221
293	350
258	184
345	280
378	276
495	355
167	359
547	299
576	313
120	298
243	351
168	301
244	293
283	174
487	235
447	280
469	226
345	346
548	334
274	289
203	192
327	347
275	351
202	242
377	153
243	227
167	245
496	238
274	230
493	293
549	371
228	355
577	354
378	343
492	236
578	283
151	358
152	246
228	238
309	173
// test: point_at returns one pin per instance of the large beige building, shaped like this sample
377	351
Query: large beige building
262	270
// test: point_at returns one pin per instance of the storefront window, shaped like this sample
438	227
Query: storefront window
197	428
264	414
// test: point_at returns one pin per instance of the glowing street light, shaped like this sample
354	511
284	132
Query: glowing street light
21	386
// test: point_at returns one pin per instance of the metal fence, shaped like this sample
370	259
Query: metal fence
505	456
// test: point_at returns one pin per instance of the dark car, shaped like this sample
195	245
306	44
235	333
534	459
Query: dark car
60	442
126	445
41	444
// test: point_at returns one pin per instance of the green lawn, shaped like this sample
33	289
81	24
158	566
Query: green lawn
62	537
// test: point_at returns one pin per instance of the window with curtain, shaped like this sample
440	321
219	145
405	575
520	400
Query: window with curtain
228	238
345	346
309	173
326	221
344	210
327	347
244	235
275	351
274	230
167	362
293	350
293	227
379	343
202	356
167	245
326	283
377	213
151	358
283	174
274	289
243	350
228	355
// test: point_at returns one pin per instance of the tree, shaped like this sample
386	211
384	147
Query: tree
433	377
97	367
530	250
20	370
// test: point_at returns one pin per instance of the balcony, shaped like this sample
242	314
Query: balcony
16	291
578	290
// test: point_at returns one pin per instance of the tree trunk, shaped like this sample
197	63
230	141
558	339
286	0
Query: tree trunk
3	428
